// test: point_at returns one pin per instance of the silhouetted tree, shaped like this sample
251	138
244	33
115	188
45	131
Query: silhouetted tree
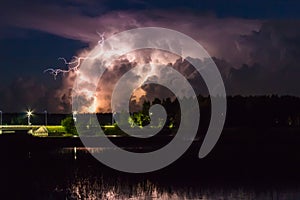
69	125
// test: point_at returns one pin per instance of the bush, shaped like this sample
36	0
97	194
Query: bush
69	125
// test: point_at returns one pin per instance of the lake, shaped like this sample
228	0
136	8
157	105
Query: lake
234	170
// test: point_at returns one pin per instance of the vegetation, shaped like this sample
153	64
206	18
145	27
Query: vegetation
113	130
54	129
69	125
252	111
18	120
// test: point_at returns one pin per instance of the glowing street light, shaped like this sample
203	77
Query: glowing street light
74	116
29	114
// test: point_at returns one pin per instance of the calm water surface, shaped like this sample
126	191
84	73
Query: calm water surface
72	173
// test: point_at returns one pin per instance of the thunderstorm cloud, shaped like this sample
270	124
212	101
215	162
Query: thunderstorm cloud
254	56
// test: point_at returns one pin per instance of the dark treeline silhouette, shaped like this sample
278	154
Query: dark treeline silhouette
250	111
263	111
35	119
40	118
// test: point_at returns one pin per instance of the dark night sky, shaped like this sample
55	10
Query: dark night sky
256	43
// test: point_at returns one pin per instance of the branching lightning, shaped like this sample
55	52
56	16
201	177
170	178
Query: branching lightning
74	64
101	35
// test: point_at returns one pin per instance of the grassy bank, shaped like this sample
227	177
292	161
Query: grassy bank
57	130
60	131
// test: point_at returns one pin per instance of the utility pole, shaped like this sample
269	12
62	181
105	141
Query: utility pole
46	122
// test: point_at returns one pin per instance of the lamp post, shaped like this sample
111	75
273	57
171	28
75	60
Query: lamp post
74	116
112	118
29	114
1	117
46	122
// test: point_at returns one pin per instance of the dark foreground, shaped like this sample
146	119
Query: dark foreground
245	164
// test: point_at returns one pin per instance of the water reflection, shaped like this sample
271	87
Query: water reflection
72	173
85	190
93	183
93	150
86	150
75	153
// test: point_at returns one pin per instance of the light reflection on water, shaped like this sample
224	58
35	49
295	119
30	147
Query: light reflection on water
87	190
68	173
91	186
84	150
80	190
93	150
67	150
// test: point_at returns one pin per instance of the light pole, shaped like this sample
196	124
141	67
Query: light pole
74	116
29	113
46	117
1	117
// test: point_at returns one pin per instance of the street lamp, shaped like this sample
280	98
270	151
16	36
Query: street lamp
1	117
74	116
29	114
112	117
45	117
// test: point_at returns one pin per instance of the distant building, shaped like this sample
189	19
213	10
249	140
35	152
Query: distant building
41	132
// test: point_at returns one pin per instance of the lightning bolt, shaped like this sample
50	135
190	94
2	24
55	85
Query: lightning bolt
101	35
74	64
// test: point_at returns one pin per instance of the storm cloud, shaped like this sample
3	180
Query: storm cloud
254	56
